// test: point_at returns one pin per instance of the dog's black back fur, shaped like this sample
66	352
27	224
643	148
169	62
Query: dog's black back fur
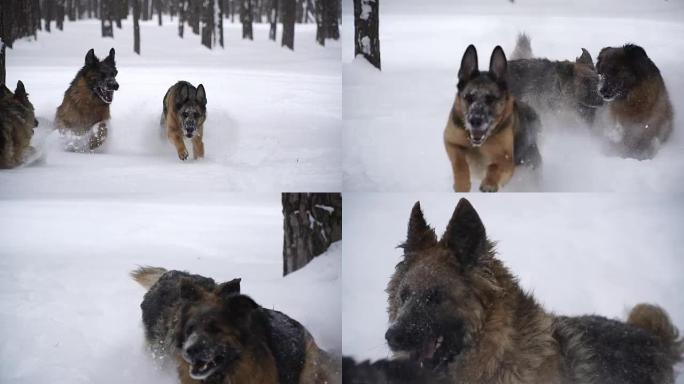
525	147
286	341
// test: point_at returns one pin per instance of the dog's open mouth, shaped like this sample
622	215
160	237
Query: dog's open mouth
201	369
477	139
432	354
105	95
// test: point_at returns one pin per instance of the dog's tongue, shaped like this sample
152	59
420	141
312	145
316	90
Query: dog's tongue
428	350
109	96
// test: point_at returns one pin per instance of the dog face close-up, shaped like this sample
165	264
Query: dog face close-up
621	69
215	327
101	75
435	295
191	109
482	95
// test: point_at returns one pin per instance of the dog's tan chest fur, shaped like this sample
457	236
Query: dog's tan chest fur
81	109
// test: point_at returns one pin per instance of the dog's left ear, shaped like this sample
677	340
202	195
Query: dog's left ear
465	234
90	58
241	305
201	95
20	92
585	58
110	58
498	65
469	66
229	289
419	235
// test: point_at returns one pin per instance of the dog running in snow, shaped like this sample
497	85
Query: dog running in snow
183	116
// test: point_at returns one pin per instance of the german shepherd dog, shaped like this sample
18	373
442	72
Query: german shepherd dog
17	121
639	114
554	86
83	115
456	310
185	110
219	336
488	128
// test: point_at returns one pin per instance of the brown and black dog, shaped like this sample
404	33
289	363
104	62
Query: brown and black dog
84	113
487	128
639	115
219	336
184	113
17	121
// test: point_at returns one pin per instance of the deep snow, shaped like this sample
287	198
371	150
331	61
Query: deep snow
69	312
394	119
577	253
274	115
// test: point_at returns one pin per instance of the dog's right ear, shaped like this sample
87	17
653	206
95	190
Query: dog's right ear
241	305
465	234
585	58
189	291
201	95
90	58
228	289
469	68
420	235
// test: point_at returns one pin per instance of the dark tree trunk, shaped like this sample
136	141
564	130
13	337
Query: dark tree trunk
321	30
195	11
182	6
366	25
145	9
106	18
136	26
158	6
71	10
3	74
331	17
272	33
49	13
246	19
221	5
312	221
289	13
208	22
59	14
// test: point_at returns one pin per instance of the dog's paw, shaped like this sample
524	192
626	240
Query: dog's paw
183	155
489	187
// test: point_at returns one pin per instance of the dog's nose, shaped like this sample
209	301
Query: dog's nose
475	121
399	338
112	84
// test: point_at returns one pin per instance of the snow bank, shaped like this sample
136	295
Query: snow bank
69	312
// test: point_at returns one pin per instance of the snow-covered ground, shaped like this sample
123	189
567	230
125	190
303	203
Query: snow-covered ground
577	253
274	116
69	312
394	119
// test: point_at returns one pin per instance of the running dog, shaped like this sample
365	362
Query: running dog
184	113
17	121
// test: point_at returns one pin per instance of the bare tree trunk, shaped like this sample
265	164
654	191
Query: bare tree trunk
49	13
331	17
136	26
321	30
182	6
106	18
312	221
366	25
272	33
59	14
221	5
288	18
207	22
246	19
158	4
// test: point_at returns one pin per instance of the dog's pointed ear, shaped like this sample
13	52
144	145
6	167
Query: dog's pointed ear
635	51
110	57
469	67
498	66
183	93
241	305
90	58
20	92
229	288
201	95
189	291
465	234
419	235
585	58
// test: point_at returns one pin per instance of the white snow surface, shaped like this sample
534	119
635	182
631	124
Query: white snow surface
576	253
394	118
274	115
69	312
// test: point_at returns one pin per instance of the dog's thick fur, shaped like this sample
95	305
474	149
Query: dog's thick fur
84	113
554	86
457	310
639	116
17	121
185	110
219	336
488	128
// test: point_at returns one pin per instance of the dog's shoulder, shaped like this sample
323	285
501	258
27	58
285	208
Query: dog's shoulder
287	341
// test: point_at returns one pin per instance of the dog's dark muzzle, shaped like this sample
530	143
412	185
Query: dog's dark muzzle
190	127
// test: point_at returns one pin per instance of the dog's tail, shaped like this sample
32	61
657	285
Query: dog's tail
523	48
147	276
655	320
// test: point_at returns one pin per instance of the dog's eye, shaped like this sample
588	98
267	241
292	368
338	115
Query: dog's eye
197	115
469	98
213	328
434	297
404	294
489	99
185	115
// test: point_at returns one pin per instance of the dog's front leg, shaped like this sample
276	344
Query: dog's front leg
459	166
499	172
98	137
197	147
177	141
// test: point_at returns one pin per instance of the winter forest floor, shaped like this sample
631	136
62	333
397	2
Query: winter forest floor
394	119
274	116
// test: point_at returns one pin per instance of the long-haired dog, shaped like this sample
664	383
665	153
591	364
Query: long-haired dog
84	113
218	335
639	115
488	129
183	116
